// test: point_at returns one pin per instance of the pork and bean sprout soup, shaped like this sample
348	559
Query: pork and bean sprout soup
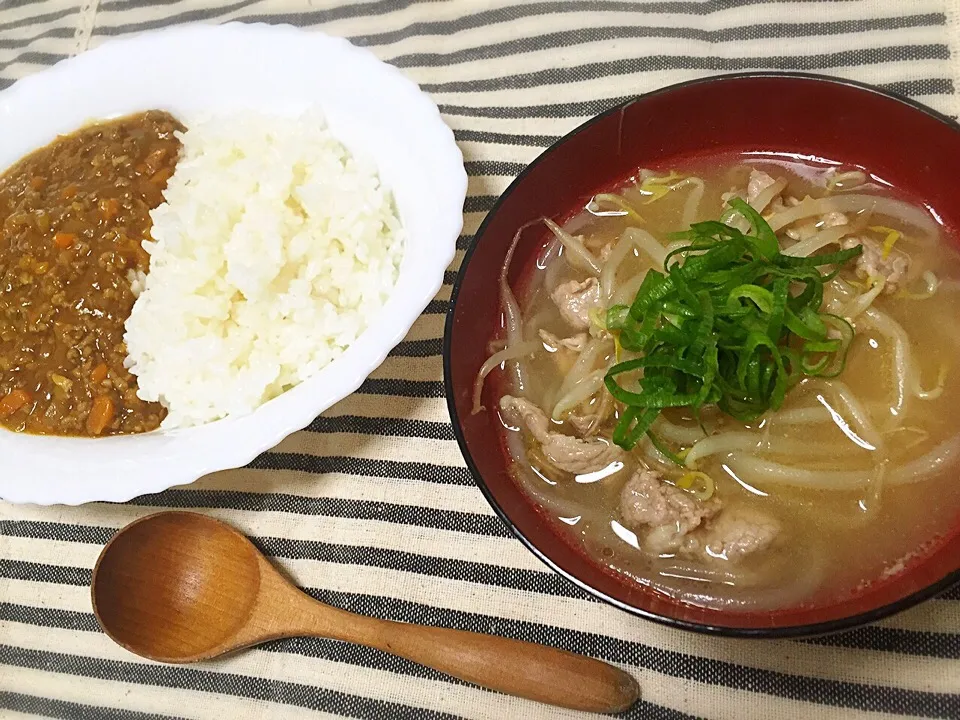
732	382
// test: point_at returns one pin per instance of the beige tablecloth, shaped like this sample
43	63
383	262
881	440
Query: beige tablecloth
371	508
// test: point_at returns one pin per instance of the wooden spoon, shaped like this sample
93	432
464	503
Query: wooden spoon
180	587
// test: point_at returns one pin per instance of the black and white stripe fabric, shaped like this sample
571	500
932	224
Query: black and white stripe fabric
371	508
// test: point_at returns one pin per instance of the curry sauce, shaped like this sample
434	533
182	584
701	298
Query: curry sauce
73	216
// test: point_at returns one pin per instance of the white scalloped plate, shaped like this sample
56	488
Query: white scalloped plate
370	106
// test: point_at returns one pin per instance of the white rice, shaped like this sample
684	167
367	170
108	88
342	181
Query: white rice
274	250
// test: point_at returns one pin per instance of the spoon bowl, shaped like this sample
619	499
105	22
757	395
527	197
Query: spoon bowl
176	606
181	587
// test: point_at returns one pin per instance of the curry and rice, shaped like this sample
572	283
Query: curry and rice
157	277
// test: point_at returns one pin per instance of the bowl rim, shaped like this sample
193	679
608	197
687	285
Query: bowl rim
828	627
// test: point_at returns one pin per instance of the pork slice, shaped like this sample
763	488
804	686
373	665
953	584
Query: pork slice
565	452
671	521
576	300
872	264
738	532
663	515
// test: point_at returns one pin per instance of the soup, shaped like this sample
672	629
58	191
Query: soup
732	382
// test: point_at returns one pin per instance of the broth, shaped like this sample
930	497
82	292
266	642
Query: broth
896	460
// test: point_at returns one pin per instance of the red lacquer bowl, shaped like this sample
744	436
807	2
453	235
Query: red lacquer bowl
912	147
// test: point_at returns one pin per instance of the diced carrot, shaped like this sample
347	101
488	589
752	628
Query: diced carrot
63	240
109	208
13	401
68	192
155	159
100	415
98	374
37	182
161	176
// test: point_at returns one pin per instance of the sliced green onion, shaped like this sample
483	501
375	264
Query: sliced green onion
663	449
720	326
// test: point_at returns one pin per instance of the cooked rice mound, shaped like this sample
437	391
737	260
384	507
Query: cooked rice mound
273	252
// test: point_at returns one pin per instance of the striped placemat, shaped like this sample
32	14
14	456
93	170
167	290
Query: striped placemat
371	508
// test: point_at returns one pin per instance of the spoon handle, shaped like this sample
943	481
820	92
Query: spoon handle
536	672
